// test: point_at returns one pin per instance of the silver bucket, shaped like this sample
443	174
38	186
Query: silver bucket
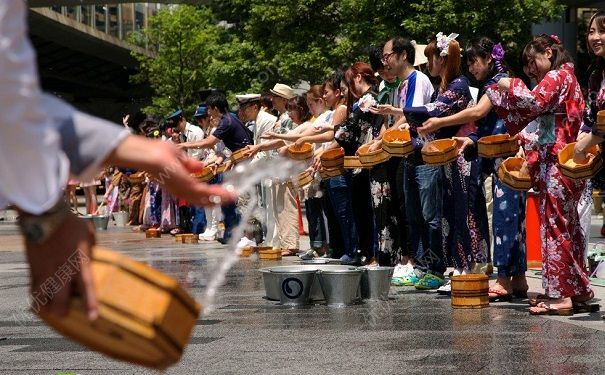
340	287
100	222
271	280
121	218
376	282
295	287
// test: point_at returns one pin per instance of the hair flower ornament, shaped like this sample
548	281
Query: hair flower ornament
498	56
443	42
555	38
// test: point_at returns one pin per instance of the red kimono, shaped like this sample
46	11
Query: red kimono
556	105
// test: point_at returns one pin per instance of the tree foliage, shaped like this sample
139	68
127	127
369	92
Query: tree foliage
261	42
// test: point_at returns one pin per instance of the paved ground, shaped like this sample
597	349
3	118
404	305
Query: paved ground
413	332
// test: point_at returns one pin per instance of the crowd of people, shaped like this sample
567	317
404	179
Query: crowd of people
417	217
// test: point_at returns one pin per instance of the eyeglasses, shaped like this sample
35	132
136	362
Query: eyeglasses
385	58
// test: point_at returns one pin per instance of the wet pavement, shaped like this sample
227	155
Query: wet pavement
412	332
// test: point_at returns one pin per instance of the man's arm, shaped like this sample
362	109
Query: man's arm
204	143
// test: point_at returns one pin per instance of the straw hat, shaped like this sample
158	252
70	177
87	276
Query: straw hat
283	91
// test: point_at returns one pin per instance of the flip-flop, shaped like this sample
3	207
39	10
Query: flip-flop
500	295
585	307
537	299
567	311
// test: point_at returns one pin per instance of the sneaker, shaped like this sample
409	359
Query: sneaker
310	254
410	280
245	242
208	235
429	281
445	289
399	273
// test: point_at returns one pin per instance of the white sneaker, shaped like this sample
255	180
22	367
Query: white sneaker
445	288
402	271
245	242
208	235
399	271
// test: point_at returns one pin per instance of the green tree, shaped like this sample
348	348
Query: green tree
185	38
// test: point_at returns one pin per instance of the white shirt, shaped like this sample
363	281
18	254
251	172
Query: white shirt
418	88
265	122
193	134
39	134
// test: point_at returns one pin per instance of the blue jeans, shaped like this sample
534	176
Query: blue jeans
423	190
230	216
340	197
315	218
198	219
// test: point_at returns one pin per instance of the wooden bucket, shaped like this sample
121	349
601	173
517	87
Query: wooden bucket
600	122
333	158
470	291
397	142
497	146
352	162
326	173
372	158
190	238
205	175
304	152
508	173
580	171
153	233
179	238
439	152
305	178
270	254
240	155
145	316
136	178
221	168
246	252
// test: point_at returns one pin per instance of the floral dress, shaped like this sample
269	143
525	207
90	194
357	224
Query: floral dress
465	229
508	217
556	104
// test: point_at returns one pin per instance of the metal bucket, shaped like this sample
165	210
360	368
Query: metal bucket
89	219
376	282
271	280
340	287
100	222
295	287
121	218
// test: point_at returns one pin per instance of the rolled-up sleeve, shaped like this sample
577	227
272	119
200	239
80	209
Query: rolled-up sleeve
39	134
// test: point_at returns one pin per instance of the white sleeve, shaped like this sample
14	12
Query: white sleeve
39	133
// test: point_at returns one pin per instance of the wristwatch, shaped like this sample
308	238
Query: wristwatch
37	229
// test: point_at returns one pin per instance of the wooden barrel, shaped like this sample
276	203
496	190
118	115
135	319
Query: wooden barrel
580	171
304	152
601	121
333	158
470	291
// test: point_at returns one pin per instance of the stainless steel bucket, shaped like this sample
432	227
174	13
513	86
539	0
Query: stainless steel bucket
340	287
100	222
295	287
376	282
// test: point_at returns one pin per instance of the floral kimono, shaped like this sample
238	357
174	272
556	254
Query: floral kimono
556	104
465	230
508	217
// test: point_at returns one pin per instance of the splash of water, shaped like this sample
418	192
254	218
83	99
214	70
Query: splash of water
243	180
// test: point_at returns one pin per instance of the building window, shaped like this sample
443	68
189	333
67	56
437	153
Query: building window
113	25
127	20
100	17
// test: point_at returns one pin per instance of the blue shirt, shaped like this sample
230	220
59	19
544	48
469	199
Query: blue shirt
233	133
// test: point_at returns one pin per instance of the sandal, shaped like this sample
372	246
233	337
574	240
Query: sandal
498	295
175	231
538	299
563	311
